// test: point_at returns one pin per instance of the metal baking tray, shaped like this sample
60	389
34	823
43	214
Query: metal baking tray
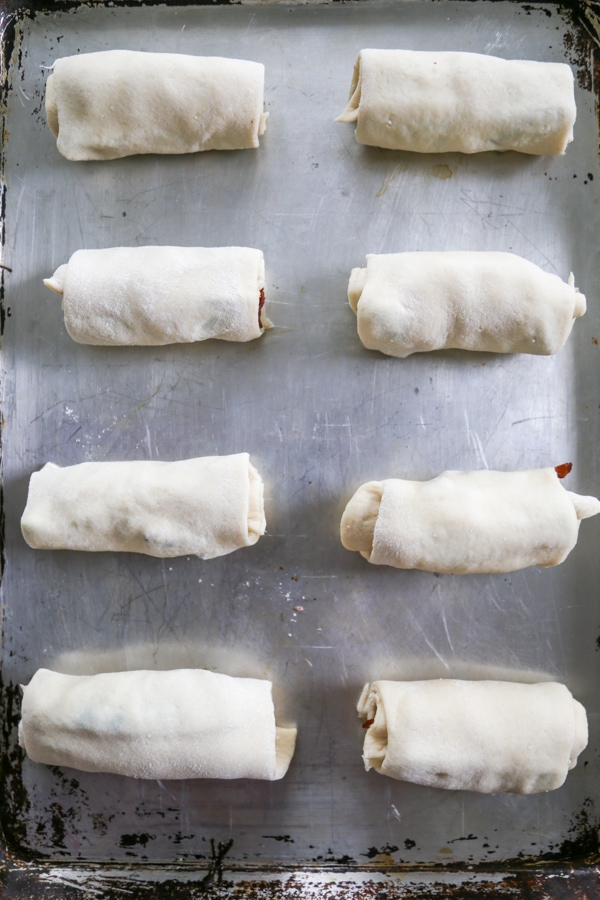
319	415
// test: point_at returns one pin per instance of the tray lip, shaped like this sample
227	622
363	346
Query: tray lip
22	874
51	881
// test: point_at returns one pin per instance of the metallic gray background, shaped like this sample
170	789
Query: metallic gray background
318	414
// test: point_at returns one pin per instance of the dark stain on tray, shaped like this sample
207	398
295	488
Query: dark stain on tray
131	840
583	843
373	852
529	9
178	838
280	837
14	802
578	47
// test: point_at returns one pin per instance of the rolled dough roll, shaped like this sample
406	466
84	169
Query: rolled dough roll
475	300
183	723
466	522
205	507
467	102
162	295
485	736
121	102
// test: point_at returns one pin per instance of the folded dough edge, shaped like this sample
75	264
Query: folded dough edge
451	524
176	723
486	736
157	295
206	506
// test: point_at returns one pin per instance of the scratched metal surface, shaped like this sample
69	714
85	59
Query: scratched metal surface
319	415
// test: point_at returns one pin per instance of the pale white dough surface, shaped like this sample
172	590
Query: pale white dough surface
121	102
183	723
467	102
207	506
161	295
473	300
486	736
466	522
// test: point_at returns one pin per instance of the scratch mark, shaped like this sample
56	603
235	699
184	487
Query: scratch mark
446	630
433	649
383	189
418	627
535	246
96	886
530	419
373	389
161	187
345	671
291	215
495	428
484	218
60	402
475	442
22	92
145	594
166	790
316	214
494	600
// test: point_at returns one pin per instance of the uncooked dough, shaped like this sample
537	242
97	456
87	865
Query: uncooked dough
468	102
183	723
465	522
205	507
473	300
486	736
162	295
118	103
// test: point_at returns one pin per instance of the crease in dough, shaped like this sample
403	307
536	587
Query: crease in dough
490	301
486	736
439	102
142	296
466	522
180	723
206	507
117	103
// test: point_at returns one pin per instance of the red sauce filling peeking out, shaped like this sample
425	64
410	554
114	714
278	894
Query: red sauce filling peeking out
261	303
563	471
368	723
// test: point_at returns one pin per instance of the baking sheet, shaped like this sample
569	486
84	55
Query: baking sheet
319	415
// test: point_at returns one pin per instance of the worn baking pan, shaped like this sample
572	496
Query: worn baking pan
319	415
